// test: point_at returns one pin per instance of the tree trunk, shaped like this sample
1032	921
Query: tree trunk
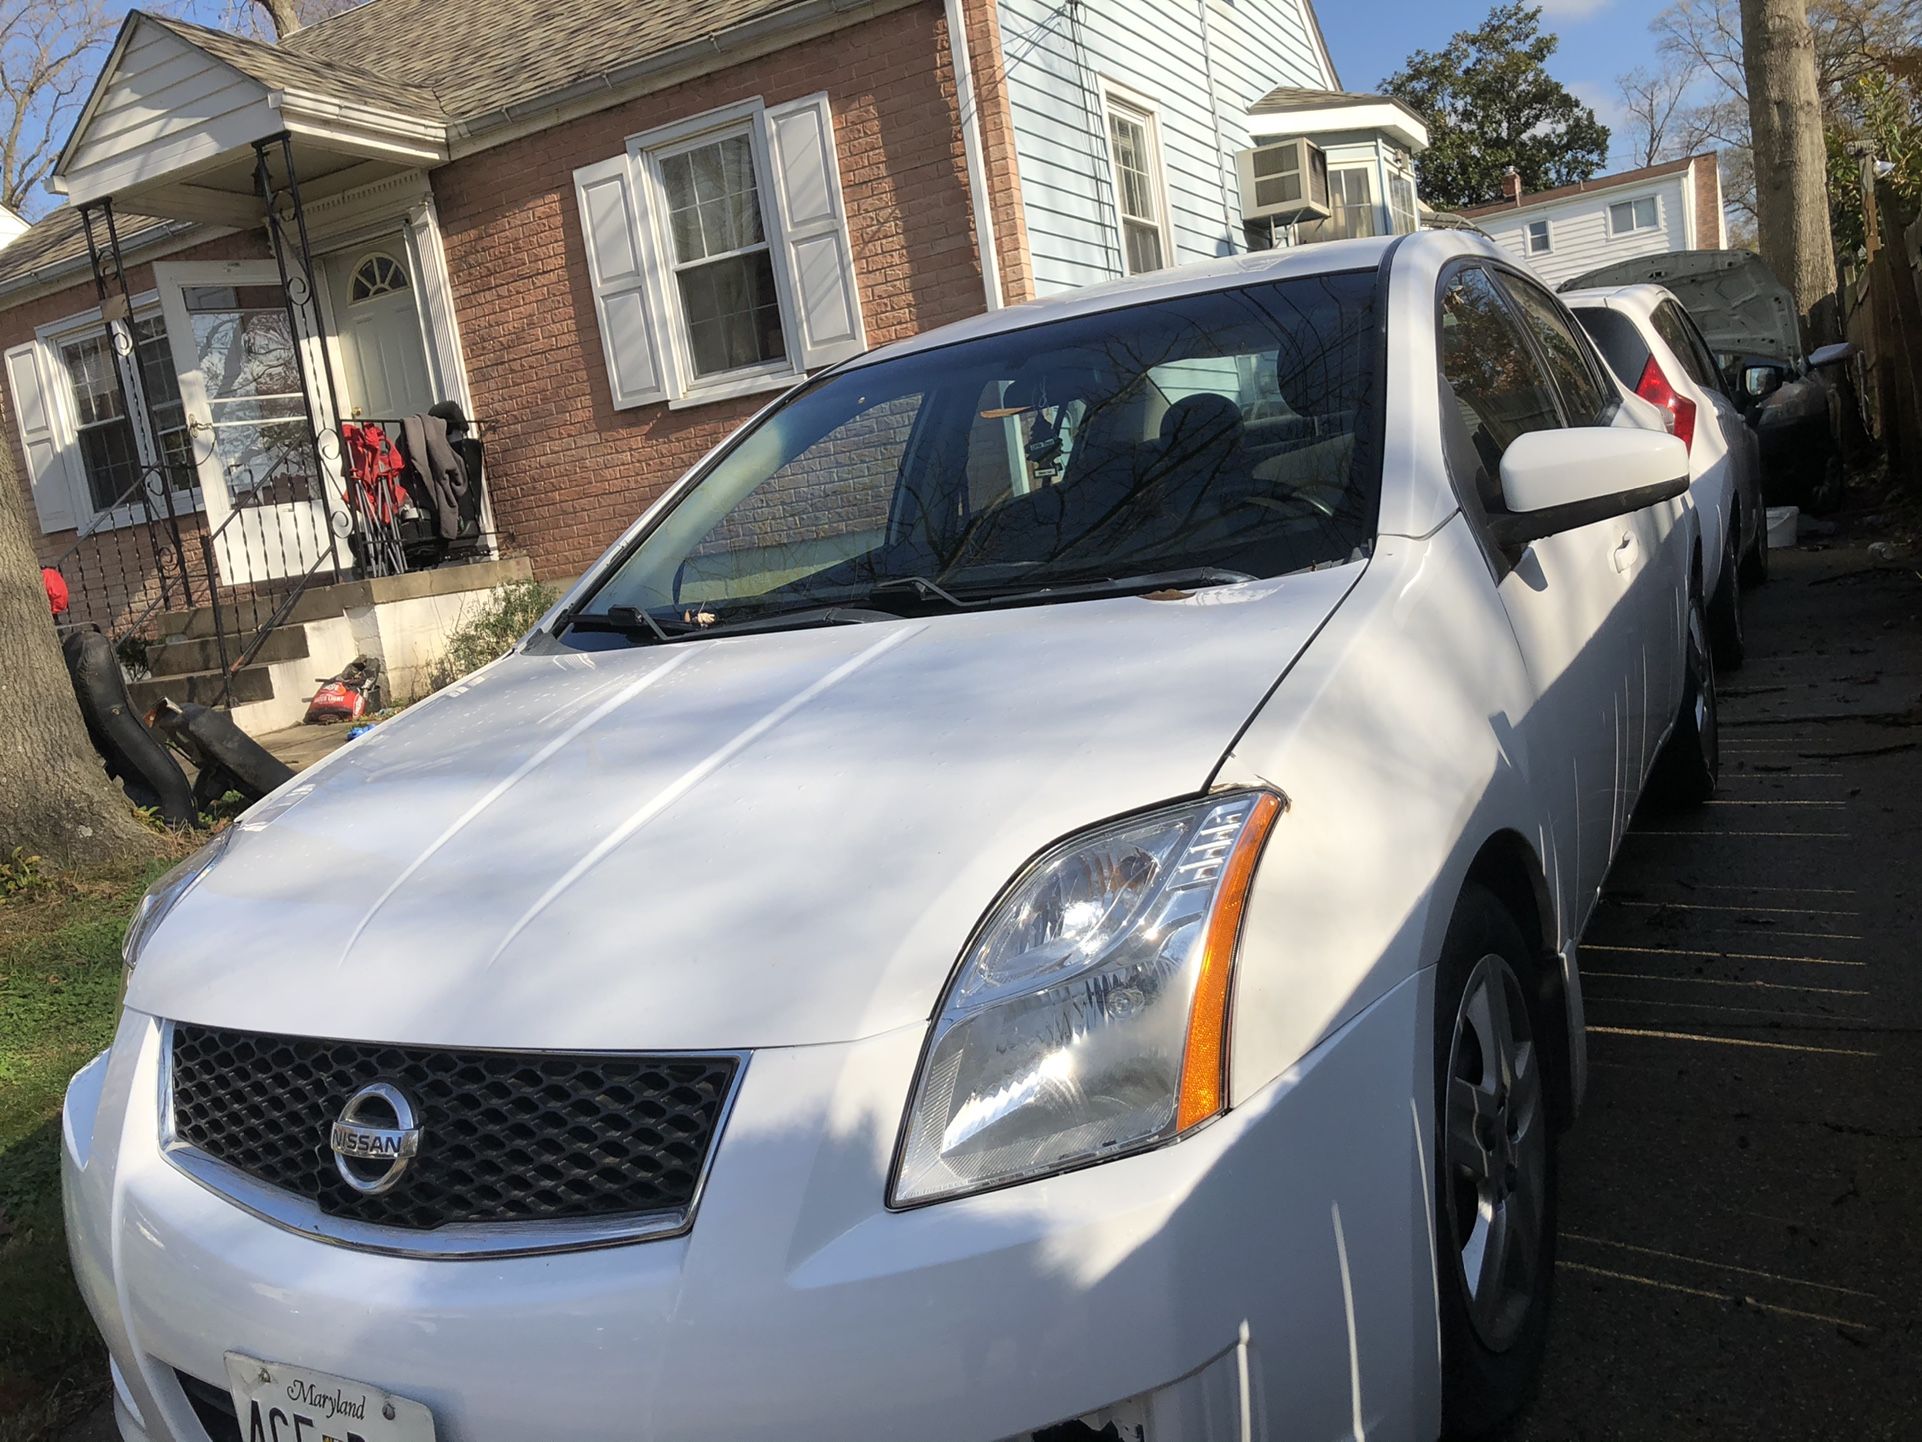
284	15
56	799
1791	169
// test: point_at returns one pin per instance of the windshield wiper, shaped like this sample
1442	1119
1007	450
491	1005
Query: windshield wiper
641	624
1194	577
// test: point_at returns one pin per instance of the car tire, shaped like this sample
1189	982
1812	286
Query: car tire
1495	1181
1755	565
1691	761
1725	612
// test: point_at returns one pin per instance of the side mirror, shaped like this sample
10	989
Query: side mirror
1760	381
1832	355
1558	480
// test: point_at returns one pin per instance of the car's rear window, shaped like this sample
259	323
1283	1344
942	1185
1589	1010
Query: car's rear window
1617	338
1232	429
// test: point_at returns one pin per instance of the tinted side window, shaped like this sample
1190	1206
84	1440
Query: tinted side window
1493	388
1567	354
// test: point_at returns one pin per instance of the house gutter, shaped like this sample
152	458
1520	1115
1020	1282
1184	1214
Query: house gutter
967	106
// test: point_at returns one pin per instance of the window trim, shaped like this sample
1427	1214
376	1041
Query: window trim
645	152
1396	174
1632	228
1131	105
1374	203
52	339
1548	237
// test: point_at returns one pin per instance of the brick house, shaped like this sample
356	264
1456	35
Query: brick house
606	233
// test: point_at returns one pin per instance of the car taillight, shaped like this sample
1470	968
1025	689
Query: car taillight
1654	386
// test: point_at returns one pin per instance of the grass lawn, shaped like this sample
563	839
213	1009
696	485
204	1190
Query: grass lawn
59	989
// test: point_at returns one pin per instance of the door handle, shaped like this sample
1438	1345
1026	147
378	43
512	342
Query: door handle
1626	552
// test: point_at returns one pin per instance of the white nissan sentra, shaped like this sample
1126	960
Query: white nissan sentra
1036	890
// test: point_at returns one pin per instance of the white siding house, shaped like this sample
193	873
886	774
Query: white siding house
1128	114
1568	231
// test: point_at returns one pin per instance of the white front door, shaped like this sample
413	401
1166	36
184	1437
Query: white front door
241	387
383	361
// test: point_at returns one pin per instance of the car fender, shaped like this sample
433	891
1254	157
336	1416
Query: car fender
1401	740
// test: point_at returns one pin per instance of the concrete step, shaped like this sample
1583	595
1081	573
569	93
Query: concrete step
251	683
183	656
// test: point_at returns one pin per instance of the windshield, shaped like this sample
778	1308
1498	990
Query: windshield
1214	433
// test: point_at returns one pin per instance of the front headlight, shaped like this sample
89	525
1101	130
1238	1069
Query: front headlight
1088	1017
162	897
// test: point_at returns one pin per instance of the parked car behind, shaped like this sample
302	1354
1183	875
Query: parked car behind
1748	318
1040	885
1657	351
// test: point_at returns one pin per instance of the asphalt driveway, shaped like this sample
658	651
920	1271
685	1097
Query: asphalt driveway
1742	1201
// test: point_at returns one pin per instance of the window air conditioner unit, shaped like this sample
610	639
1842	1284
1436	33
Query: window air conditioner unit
1286	181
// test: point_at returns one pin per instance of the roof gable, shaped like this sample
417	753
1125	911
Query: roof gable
162	96
1619	181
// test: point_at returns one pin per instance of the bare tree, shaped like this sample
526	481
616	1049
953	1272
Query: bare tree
1660	122
273	19
49	50
1791	191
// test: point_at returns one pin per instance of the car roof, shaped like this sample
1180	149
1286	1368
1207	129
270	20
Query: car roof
1320	258
1644	294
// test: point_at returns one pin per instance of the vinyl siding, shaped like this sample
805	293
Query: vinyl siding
168	104
1059	61
1578	228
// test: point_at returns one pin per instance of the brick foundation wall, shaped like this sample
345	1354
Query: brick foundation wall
567	472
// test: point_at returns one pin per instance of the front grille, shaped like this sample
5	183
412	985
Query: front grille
505	1136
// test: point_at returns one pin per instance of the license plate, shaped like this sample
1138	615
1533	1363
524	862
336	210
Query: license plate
279	1403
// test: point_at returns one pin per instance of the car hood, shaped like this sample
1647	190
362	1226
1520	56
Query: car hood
761	840
1735	298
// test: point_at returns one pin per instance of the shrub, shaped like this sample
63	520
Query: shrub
508	613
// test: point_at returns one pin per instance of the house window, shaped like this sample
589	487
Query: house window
1134	148
1538	237
718	251
104	433
379	274
1351	196
723	270
1628	216
1401	203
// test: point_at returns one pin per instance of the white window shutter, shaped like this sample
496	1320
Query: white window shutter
814	231
46	463
617	267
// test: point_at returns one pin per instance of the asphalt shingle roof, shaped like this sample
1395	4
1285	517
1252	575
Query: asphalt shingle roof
477	56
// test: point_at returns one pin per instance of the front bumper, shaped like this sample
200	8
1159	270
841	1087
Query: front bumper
1270	1276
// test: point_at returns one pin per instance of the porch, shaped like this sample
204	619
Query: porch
224	435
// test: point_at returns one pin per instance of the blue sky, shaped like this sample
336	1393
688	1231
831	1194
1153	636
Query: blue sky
1600	39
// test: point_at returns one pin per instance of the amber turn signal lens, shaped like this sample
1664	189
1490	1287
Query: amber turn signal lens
1203	1091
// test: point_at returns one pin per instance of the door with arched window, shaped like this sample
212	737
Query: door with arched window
383	361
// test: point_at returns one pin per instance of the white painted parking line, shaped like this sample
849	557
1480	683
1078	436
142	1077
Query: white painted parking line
1722	1297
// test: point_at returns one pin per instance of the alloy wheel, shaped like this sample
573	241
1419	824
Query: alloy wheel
1496	1153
